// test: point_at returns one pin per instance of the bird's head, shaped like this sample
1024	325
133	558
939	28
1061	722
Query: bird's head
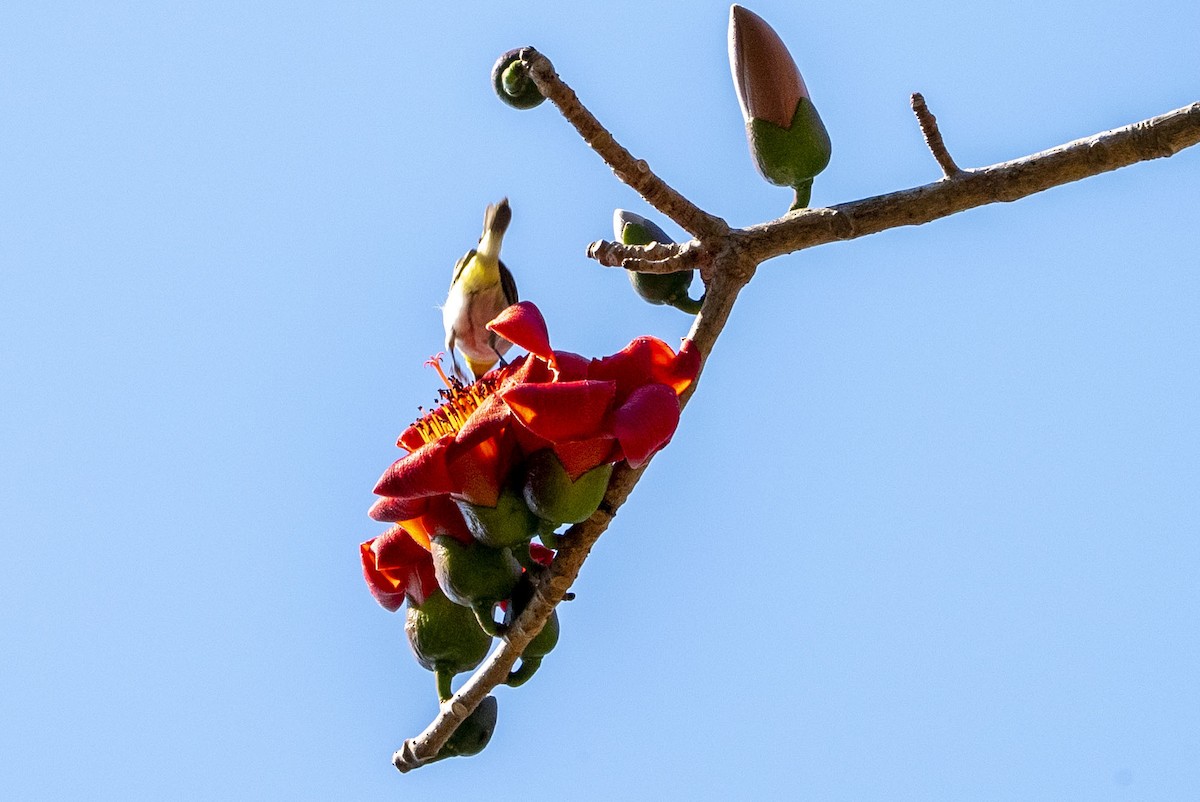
497	217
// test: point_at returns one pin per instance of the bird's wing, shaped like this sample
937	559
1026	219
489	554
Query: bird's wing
508	285
461	264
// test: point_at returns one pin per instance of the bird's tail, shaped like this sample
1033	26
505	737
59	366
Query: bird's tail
495	223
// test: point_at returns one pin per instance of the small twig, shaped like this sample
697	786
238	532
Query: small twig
654	258
933	136
612	254
634	172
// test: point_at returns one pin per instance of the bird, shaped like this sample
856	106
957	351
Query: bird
482	287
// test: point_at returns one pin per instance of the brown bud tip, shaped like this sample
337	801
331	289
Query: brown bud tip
766	79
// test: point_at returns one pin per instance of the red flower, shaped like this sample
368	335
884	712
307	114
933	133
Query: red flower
589	411
624	406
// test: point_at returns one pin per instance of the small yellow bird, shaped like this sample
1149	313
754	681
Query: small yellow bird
482	287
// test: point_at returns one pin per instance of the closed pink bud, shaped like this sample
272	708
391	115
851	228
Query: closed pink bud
767	81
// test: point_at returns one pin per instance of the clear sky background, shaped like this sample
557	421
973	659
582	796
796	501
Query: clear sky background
929	529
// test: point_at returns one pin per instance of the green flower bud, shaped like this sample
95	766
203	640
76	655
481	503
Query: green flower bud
474	733
656	288
787	139
475	576
508	524
791	156
552	495
512	83
445	638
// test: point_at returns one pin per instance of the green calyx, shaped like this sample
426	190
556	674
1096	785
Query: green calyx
670	289
512	83
474	733
445	638
508	524
553	496
792	156
475	576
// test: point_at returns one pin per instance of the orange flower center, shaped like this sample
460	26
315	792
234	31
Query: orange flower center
457	402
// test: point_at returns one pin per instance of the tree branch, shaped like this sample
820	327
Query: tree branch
735	256
1157	137
633	172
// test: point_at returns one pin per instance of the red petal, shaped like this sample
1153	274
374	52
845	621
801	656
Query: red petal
540	554
393	510
442	518
395	567
561	410
631	366
580	456
646	421
478	470
527	441
487	421
410	439
395	550
390	597
522	324
531	370
684	369
421	473
422	583
445	518
648	360
570	367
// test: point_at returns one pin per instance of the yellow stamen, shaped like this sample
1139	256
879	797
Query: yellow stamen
458	402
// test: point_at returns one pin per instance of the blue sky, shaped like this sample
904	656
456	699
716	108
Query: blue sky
928	530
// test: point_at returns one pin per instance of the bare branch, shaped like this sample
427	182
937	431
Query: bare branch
1157	137
633	172
577	542
730	259
933	136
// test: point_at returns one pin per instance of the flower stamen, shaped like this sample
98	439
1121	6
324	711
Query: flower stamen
456	403
435	362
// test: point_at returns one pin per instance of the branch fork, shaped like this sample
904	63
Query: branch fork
728	259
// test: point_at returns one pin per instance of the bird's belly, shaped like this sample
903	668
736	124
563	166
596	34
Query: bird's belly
468	315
